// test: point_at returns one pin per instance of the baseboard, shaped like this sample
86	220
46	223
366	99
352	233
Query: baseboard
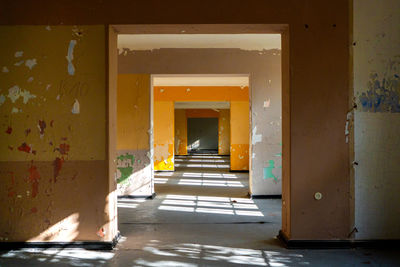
136	197
266	196
88	245
338	244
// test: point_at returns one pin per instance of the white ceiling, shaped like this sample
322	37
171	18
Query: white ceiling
201	80
257	42
202	105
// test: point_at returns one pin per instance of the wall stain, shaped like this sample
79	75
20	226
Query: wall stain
58	162
126	172
34	177
9	130
127	156
41	126
383	94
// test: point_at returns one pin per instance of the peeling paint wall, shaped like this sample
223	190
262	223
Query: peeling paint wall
133	135
377	118
224	132
180	132
163	135
53	163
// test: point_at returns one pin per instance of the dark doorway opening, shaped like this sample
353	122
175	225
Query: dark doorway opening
202	135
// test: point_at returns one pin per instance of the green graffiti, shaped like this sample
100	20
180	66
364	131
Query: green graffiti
139	161
127	157
268	171
278	155
125	173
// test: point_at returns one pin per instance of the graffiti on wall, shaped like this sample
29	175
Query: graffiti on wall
383	93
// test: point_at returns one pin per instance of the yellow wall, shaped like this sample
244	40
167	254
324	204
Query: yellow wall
53	100
239	135
133	106
164	135
180	132
133	135
224	132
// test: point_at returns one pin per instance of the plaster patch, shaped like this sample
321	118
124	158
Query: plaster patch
14	110
2	99
76	107
19	63
267	103
70	57
5	69
19	54
30	63
256	138
347	125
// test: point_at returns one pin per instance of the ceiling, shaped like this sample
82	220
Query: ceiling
250	42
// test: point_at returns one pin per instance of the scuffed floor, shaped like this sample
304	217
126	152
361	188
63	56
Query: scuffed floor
200	217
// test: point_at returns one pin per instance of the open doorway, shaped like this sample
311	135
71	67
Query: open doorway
264	138
205	118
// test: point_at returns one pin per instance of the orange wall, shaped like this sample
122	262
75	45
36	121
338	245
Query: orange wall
201	93
163	135
224	132
239	118
180	132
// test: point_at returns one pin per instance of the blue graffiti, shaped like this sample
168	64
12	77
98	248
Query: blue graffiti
383	95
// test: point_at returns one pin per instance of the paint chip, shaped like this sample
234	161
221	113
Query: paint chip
58	97
14	110
30	79
19	63
14	93
76	107
27	95
161	90
5	69
48	28
30	63
267	103
48	86
70	57
18	54
188	90
2	99
256	138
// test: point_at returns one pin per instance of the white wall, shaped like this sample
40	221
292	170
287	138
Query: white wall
377	118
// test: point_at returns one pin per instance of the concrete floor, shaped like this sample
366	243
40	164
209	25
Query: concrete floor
200	217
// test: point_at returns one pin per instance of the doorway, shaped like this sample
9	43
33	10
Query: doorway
268	172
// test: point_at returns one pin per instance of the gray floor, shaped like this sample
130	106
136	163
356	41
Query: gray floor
200	217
